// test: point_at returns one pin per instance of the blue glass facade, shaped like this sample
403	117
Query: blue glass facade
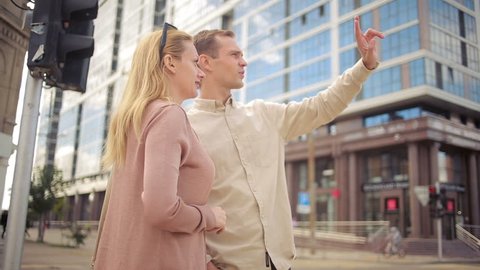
92	135
289	46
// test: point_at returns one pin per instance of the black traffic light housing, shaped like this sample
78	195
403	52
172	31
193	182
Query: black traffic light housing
61	42
438	201
432	194
436	209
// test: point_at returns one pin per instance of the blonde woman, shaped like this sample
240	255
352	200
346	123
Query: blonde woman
155	212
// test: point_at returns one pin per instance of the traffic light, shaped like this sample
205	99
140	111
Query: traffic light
61	42
45	33
436	209
432	194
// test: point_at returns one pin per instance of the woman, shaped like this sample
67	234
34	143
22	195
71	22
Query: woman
155	212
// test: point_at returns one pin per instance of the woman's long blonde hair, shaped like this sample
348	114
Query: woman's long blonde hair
146	82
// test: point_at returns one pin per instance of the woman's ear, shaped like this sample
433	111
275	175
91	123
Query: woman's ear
204	62
169	63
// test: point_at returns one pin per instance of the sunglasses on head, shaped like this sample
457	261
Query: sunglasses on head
163	42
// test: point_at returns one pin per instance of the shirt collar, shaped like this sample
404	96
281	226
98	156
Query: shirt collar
212	105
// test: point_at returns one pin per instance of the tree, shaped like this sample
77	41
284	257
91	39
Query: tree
46	184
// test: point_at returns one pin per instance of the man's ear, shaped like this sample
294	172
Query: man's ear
204	61
169	63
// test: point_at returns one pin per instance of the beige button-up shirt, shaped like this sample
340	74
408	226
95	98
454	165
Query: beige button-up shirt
247	145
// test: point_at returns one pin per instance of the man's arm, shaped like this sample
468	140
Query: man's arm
297	118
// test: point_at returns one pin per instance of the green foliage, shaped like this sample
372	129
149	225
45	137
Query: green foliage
59	207
47	182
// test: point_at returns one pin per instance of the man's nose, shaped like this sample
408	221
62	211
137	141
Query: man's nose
243	63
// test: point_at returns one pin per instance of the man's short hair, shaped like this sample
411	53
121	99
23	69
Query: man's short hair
206	43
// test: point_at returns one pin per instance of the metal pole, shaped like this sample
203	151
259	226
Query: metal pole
312	189
439	238
22	176
439	221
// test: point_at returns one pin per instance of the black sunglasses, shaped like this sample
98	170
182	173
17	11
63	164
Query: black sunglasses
164	37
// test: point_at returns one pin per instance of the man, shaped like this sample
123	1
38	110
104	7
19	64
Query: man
246	143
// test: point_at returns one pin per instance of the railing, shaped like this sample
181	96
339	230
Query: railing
469	235
60	224
343	232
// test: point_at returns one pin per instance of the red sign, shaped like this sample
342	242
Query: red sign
450	205
391	204
335	193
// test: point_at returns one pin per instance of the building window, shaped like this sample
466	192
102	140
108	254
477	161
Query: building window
350	5
309	20
372	206
452	167
387	166
159	15
401	43
417	72
397	13
332	129
85	205
348	58
326	207
325	173
438	75
403	114
227	20
303	19
302	176
382	82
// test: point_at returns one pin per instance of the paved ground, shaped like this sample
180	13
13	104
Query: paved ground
54	255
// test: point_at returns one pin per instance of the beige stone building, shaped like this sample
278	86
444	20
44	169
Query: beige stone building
13	45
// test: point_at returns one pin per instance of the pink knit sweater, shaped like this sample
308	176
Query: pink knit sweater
157	212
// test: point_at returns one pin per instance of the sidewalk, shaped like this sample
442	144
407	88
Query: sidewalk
53	254
364	256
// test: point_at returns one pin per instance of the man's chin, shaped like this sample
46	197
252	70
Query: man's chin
237	86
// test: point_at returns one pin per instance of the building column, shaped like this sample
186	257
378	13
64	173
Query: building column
413	176
96	206
473	189
76	207
353	188
434	177
341	178
292	187
290	177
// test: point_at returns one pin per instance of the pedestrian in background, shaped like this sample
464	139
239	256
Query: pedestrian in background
4	220
155	212
247	145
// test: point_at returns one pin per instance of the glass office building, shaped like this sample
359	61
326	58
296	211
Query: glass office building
416	121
